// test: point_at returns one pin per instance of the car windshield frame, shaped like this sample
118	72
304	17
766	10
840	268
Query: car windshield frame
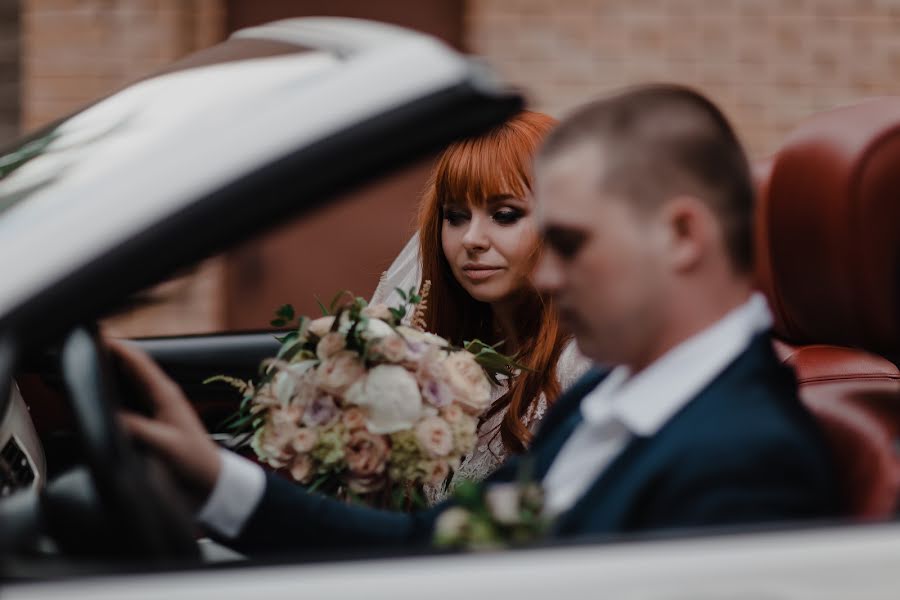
226	177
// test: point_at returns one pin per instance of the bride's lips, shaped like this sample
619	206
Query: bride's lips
480	272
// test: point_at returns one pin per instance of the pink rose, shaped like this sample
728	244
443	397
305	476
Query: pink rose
269	446
304	440
302	469
434	436
331	344
436	472
354	418
340	371
391	348
321	412
471	387
452	414
366	453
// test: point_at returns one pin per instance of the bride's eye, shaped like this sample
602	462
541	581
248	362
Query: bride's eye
507	216
455	217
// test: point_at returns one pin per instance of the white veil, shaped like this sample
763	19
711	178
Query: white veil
404	273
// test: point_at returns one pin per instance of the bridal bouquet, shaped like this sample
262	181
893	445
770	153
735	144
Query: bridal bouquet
359	406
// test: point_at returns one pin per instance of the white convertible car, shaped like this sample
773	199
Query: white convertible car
100	206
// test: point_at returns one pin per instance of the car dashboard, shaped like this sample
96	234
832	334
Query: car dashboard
22	461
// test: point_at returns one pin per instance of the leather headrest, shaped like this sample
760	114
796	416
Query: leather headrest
829	221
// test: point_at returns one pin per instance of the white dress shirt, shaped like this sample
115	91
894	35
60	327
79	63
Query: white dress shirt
621	407
624	406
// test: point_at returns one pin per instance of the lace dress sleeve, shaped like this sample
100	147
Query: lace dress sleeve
571	366
489	451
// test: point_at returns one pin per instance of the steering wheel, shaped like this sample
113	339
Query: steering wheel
142	508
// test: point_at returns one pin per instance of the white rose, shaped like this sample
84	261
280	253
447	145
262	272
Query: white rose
451	523
502	500
417	335
283	388
392	397
376	328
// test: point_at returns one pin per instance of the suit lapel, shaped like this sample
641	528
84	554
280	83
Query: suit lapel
560	422
612	495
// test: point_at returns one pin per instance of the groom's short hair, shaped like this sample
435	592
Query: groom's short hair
658	141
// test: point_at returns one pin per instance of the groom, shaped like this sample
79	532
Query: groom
645	203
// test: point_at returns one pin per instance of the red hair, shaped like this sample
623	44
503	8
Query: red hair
474	169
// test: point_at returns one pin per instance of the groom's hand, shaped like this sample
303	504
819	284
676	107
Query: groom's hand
174	431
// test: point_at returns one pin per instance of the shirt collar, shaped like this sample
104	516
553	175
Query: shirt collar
644	402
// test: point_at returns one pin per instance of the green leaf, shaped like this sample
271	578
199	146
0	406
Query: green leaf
318	483
278	322
322	307
337	298
402	294
285	312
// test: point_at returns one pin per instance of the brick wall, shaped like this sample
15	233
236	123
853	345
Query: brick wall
9	70
77	51
768	63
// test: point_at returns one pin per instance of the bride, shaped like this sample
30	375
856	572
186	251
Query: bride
477	244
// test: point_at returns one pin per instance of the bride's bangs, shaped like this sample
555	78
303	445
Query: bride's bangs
497	164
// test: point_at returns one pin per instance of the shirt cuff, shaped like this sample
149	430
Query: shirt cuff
237	493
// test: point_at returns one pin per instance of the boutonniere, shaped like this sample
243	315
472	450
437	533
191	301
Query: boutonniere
487	517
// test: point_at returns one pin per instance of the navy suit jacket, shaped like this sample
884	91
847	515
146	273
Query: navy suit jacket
744	450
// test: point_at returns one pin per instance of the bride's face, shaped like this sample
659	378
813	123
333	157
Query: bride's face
490	247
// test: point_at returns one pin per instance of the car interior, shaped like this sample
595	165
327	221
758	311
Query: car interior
828	252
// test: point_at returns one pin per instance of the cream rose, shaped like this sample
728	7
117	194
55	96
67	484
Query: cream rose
434	436
321	326
391	395
330	344
377	311
366	453
339	372
466	378
417	335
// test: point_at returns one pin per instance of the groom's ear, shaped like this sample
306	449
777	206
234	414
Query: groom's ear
690	232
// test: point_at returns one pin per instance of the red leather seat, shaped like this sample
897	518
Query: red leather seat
829	261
